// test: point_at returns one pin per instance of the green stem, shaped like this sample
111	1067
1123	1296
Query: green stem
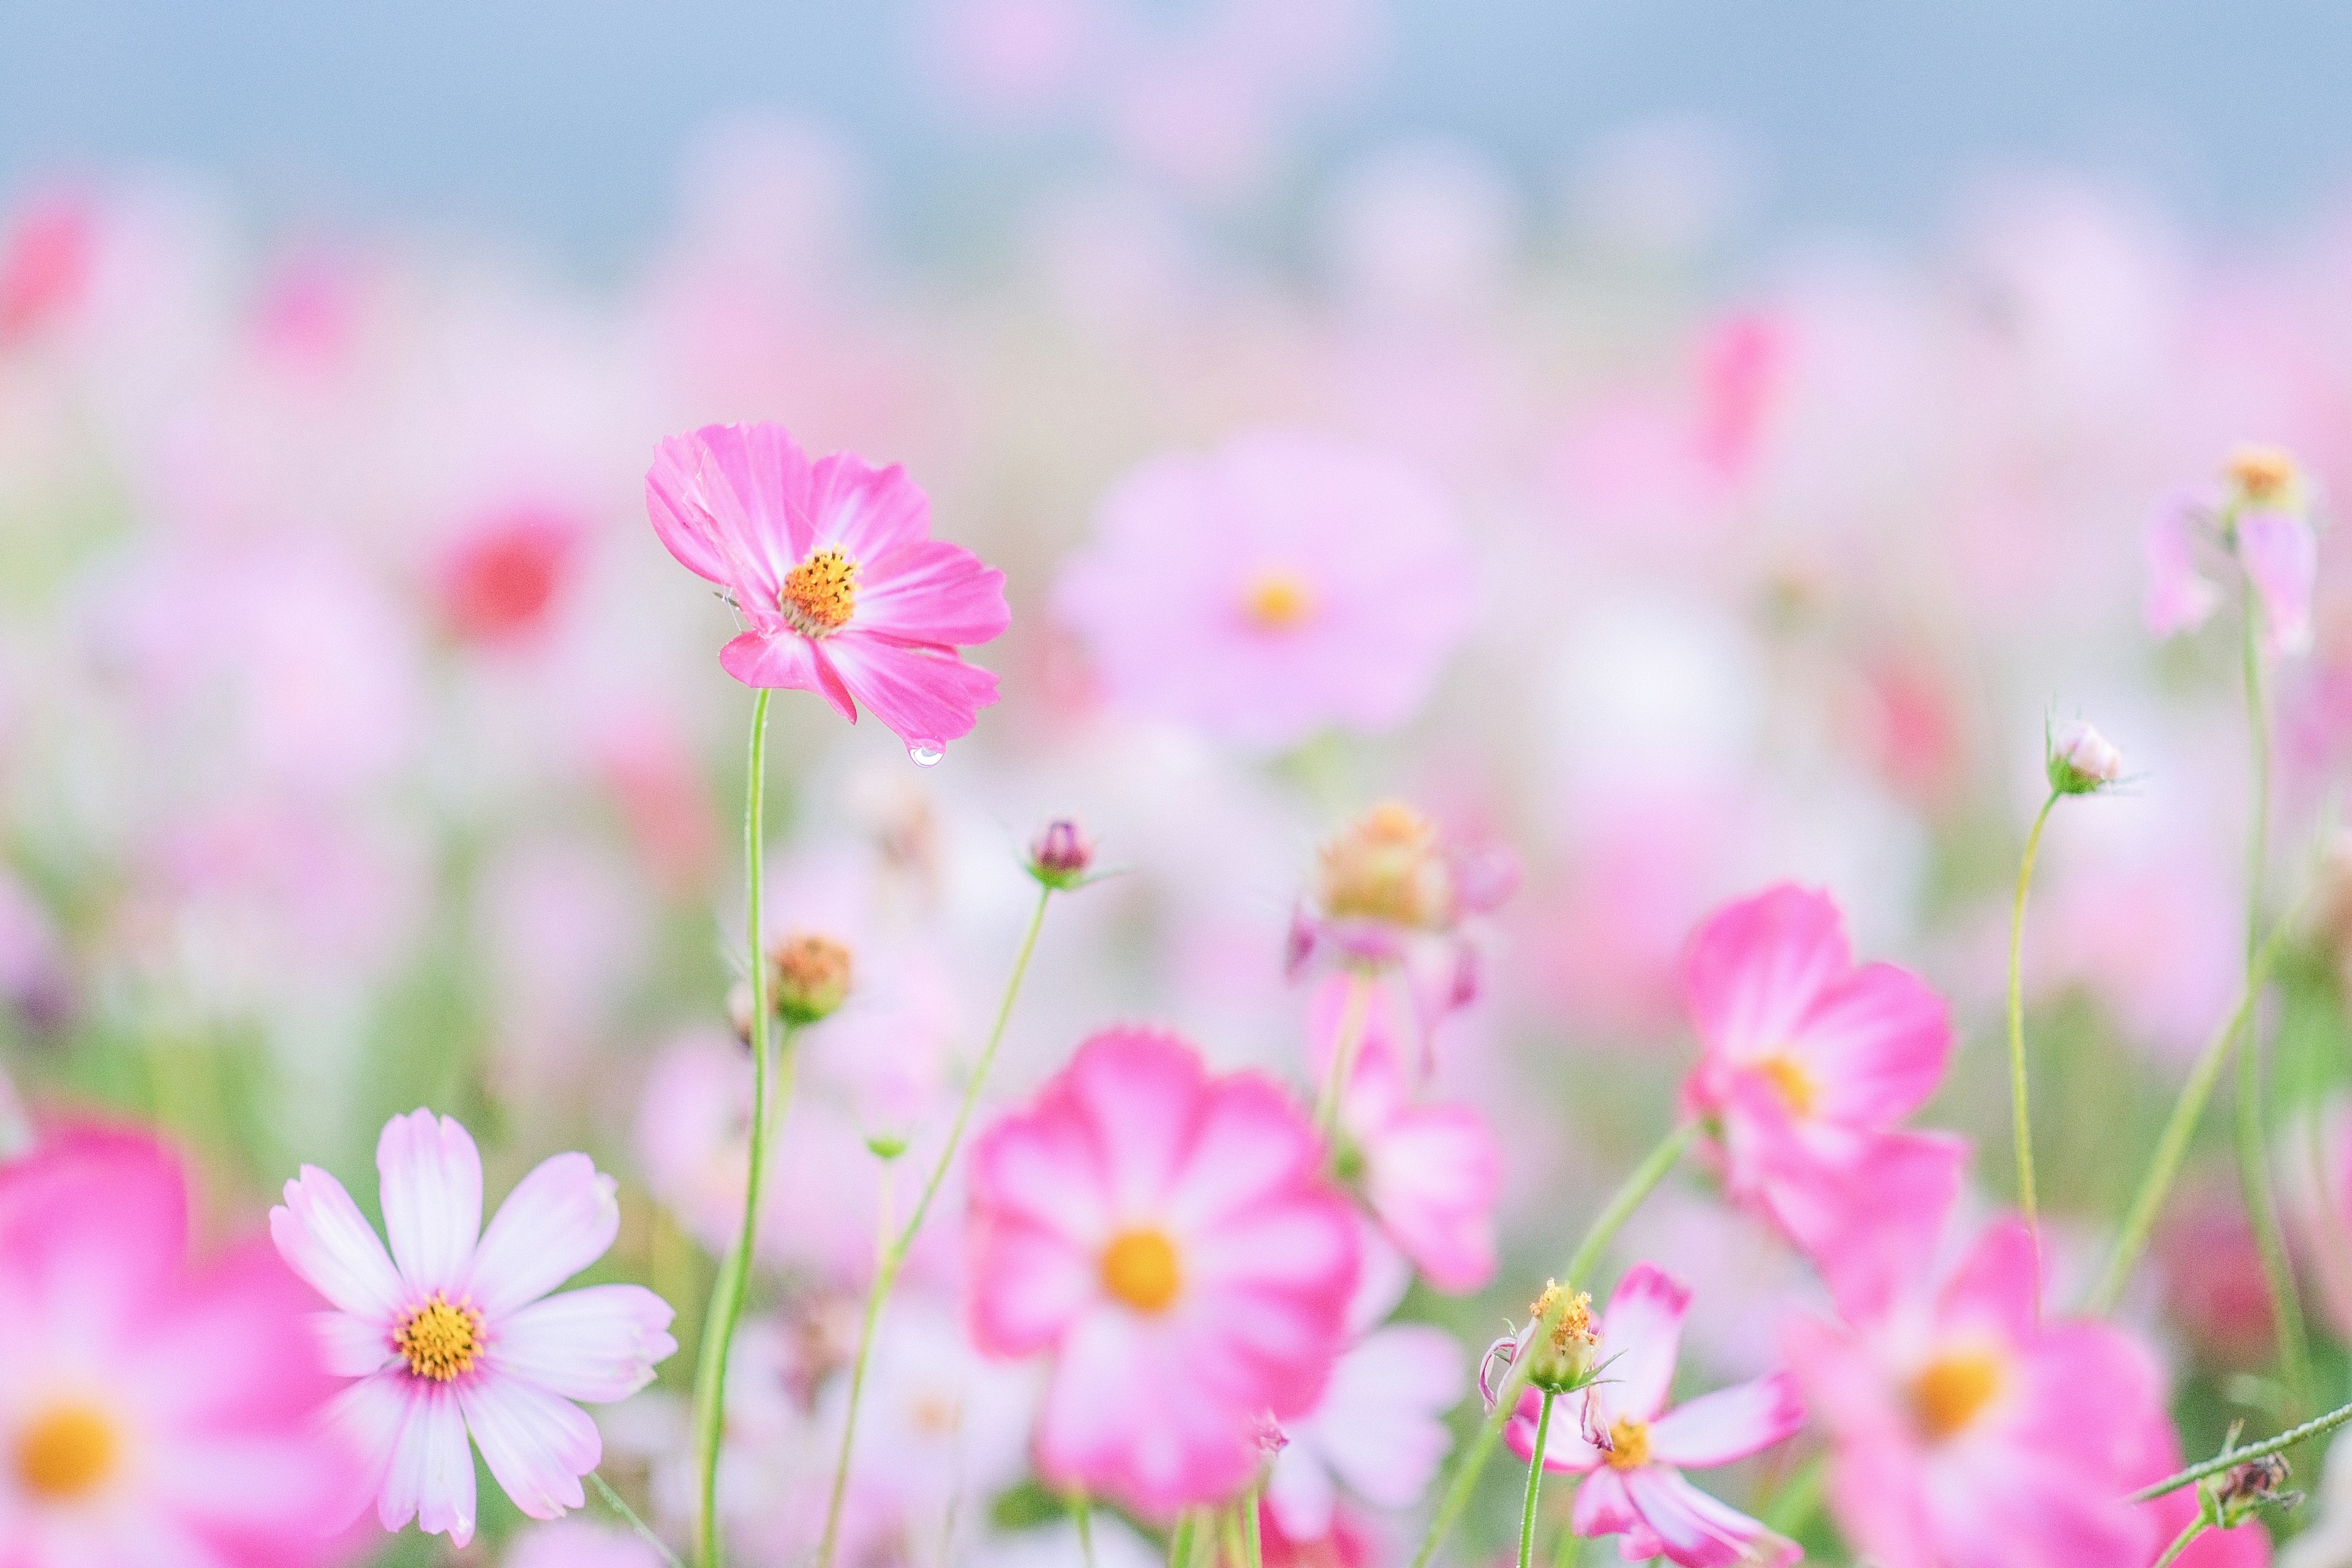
2230	1459
1637	1186
2254	1151
1535	1484
2020	1111
1179	1544
1229	1528
2180	1543
1353	1019
613	1500
1800	1500
893	1251
1086	1512
728	1293
1564	1554
1252	1541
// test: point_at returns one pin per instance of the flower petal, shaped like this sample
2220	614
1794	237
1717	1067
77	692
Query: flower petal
559	1219
1601	1506
933	593
1697	1530
2180	598
537	1444
599	1344
2282	558
867	512
925	697
370	1418
1875	1045
1756	967
431	1194
784	658
1730	1424
1640	1335
324	1237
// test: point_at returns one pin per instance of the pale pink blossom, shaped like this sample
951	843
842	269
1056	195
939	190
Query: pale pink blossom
1167	1239
1631	1451
575	1543
455	1332
1283	584
831	564
156	1408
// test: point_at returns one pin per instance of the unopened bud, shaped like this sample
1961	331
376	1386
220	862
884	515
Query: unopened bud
810	976
1387	865
1061	856
1560	1340
2080	760
2233	1498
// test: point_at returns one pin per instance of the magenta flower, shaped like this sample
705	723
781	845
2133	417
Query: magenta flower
1632	1450
833	565
455	1331
1808	1065
1169	1239
1967	1433
1281	585
153	1410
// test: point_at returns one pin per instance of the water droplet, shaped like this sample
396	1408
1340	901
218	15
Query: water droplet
925	754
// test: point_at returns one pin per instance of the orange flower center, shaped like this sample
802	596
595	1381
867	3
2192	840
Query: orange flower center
1278	601
1139	1267
439	1342
1950	1390
68	1454
2264	473
820	593
1791	1082
1629	1444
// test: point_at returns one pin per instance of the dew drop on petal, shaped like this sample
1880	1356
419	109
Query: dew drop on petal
925	754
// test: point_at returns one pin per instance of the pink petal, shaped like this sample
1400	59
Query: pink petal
2282	558
1640	1335
1994	1286
1730	1424
2179	597
431	1194
1601	1506
933	593
324	1237
1756	967
560	1218
598	1344
731	502
1434	1176
923	697
1381	1420
1697	1530
1871	1222
537	1444
1302	1493
868	513
370	1418
350	1346
1029	1286
679	519
1876	1042
785	659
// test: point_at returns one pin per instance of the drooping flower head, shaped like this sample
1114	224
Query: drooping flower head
2258	516
455	1331
154	1409
1283	584
1167	1239
831	564
1809	1064
1631	1451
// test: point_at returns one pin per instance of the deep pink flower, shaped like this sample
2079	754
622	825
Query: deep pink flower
1283	584
500	579
1167	1238
153	1410
1966	1434
833	565
1632	1450
46	256
456	1332
1808	1065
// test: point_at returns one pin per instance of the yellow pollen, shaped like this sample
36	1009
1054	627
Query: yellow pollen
1387	865
439	1341
66	1454
1575	1324
1629	1444
820	593
1792	1081
1278	601
1949	1391
1139	1267
2264	473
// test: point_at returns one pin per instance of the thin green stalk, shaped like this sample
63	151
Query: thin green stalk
892	1252
1179	1544
2019	1110
1252	1541
1086	1512
1229	1530
2254	1151
734	1281
613	1500
1353	1017
2180	1543
2230	1459
1564	1554
1637	1186
1535	1484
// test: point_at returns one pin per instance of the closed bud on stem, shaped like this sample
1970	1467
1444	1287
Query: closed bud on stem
2233	1497
1560	1340
810	975
2080	760
1062	855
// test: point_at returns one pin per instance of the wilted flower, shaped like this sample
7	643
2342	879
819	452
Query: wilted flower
2080	760
1391	879
2260	517
810	976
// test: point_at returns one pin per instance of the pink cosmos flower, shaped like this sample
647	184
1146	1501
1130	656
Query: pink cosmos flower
2260	519
1808	1064
153	1409
832	564
1631	1451
1968	1434
501	580
455	1332
1167	1238
1283	584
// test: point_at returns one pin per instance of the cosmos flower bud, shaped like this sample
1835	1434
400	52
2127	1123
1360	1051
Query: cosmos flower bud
1560	1339
2080	760
2265	476
1061	856
1387	865
810	975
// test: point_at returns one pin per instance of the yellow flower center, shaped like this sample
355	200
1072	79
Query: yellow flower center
66	1454
439	1341
1387	865
1950	1390
1788	1079
1139	1267
2264	473
1278	601
820	593
1629	1444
